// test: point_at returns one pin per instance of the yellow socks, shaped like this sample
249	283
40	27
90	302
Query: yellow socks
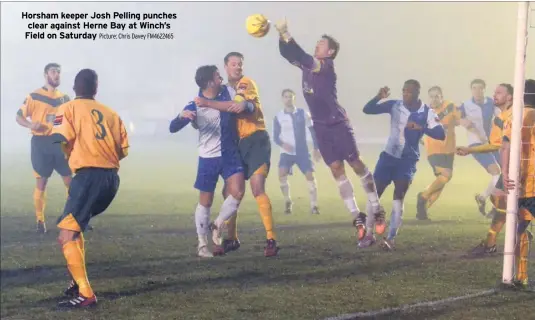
522	258
497	224
39	201
76	265
436	186
264	206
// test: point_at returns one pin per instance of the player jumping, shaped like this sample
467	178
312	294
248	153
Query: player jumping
440	153
526	196
476	116
503	99
289	133
40	107
218	156
95	140
254	144
410	120
334	133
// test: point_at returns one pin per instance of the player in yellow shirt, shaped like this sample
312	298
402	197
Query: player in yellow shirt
37	114
526	188
440	153
503	99
95	140
254	143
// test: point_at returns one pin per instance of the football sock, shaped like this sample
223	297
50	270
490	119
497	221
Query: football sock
346	192
76	266
496	226
370	221
39	201
313	191
491	186
264	206
433	198
522	258
232	225
80	241
228	208
435	186
396	219
369	187
285	188
202	219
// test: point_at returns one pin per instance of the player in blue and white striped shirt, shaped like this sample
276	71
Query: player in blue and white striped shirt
410	119
218	156
290	134
477	115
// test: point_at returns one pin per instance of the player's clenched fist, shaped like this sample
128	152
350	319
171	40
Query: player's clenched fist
383	93
187	114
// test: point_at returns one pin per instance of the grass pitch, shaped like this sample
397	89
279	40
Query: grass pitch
142	265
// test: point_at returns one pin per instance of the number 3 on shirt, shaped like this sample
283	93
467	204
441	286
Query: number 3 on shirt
99	135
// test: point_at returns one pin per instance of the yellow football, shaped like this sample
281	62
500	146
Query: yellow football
257	25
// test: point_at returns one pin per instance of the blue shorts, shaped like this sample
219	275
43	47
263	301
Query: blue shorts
389	168
486	159
209	170
303	162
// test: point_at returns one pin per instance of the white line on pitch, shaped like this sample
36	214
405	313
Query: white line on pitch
407	307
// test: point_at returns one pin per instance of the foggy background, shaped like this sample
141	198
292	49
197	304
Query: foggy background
150	81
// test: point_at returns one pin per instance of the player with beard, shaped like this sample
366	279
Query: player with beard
503	99
334	132
37	114
254	144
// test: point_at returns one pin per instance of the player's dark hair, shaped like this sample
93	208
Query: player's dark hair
414	83
508	87
287	91
333	45
529	93
435	88
204	75
51	65
85	83
478	81
232	54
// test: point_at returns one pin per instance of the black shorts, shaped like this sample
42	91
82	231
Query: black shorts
47	157
528	204
91	192
255	151
441	160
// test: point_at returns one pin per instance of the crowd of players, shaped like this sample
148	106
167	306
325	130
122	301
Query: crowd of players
89	139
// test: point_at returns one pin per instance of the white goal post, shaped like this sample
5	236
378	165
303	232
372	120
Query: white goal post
514	162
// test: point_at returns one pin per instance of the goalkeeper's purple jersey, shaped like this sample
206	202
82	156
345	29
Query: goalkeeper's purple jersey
319	84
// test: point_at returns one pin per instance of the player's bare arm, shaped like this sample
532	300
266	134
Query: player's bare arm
225	106
24	122
505	150
469	125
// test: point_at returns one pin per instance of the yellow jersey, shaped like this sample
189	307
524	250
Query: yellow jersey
448	115
249	122
41	106
527	152
94	134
